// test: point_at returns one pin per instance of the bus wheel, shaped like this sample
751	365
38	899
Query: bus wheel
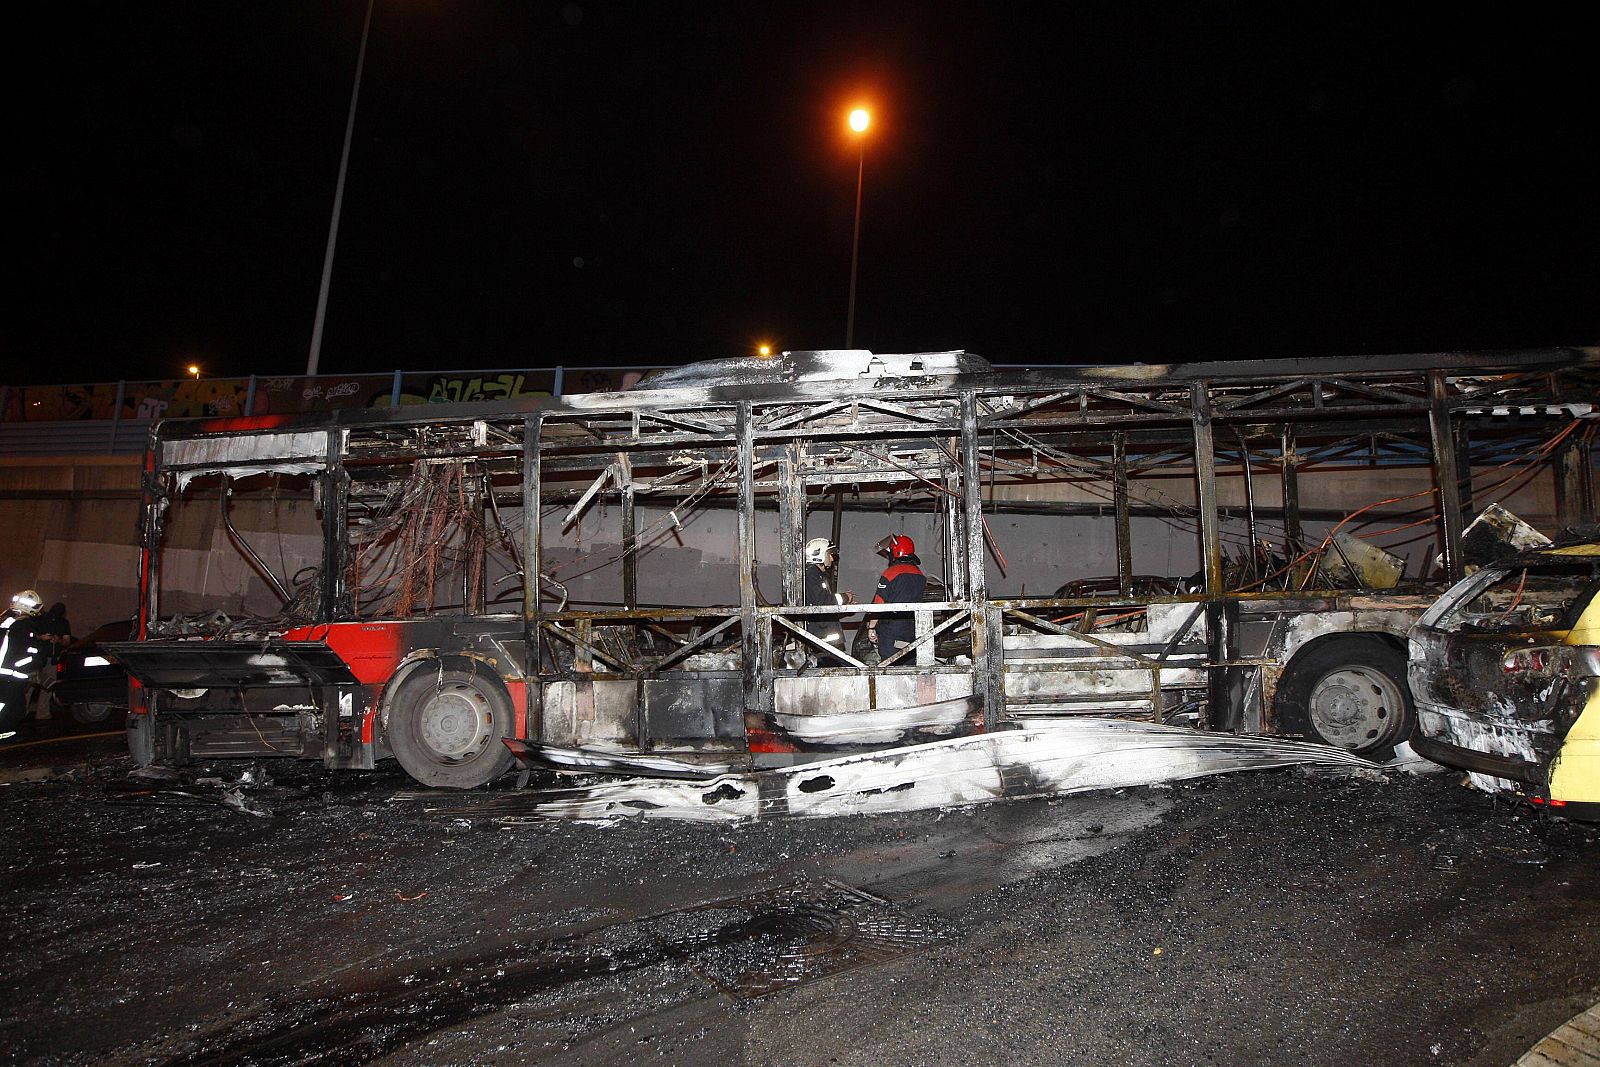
445	728
1348	692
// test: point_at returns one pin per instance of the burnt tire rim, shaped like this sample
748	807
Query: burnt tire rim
1355	707
456	722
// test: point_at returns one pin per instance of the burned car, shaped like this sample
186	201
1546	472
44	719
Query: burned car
1505	670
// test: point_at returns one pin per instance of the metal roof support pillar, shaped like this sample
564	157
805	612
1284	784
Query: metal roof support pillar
1445	477
533	639
792	521
1291	493
630	534
755	640
1220	638
1574	487
335	490
988	651
1119	489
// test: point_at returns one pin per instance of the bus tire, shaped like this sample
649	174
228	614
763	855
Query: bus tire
1349	692
445	726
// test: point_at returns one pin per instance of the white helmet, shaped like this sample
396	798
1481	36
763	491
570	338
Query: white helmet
817	550
27	602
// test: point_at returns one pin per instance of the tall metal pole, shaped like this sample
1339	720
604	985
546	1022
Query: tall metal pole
855	248
338	202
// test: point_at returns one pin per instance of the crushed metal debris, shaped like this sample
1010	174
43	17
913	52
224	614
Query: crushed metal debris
1068	756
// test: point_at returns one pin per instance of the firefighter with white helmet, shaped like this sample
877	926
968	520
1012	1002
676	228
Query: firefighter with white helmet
820	555
21	653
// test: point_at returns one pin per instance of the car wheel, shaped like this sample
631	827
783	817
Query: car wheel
1348	692
445	726
89	714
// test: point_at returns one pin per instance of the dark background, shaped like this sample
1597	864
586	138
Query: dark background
611	184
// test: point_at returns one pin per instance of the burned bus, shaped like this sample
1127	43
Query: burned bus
618	578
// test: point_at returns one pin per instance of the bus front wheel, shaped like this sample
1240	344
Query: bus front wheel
445	726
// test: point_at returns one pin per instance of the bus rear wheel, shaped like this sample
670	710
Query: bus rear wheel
1349	692
445	726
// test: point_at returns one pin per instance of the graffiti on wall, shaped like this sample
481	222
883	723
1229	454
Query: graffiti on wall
322	393
140	400
187	397
473	388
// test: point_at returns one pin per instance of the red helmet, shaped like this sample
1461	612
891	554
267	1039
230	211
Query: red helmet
896	546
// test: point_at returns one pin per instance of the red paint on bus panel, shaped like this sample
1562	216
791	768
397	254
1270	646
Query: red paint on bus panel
372	650
243	423
519	706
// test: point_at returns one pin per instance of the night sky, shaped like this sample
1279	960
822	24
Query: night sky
540	183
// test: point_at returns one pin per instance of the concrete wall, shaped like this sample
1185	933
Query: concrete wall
72	534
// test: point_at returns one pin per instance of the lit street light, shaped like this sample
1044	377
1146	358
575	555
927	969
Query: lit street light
859	121
194	369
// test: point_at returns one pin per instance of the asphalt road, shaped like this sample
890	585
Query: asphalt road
278	913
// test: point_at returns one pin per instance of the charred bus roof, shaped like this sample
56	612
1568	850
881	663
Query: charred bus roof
841	374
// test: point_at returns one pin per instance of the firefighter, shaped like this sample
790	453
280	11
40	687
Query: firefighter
820	556
902	583
21	653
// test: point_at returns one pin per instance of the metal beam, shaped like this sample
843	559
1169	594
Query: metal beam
1446	479
792	521
1573	472
1119	490
630	532
754	643
988	653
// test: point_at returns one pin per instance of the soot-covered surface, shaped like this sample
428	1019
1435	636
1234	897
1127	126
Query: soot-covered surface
1274	917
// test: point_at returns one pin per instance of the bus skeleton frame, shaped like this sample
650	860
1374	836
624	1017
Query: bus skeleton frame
338	677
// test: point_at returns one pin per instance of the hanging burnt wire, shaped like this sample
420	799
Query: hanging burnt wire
425	543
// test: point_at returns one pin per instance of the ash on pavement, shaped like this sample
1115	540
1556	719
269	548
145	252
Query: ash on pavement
1274	917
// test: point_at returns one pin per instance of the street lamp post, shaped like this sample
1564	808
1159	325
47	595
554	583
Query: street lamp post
859	121
338	202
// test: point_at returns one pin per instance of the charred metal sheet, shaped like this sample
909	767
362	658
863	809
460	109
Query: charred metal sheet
204	664
600	761
879	724
241	454
1070	756
1497	534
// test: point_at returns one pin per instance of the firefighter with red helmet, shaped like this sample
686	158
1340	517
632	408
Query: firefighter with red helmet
902	582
